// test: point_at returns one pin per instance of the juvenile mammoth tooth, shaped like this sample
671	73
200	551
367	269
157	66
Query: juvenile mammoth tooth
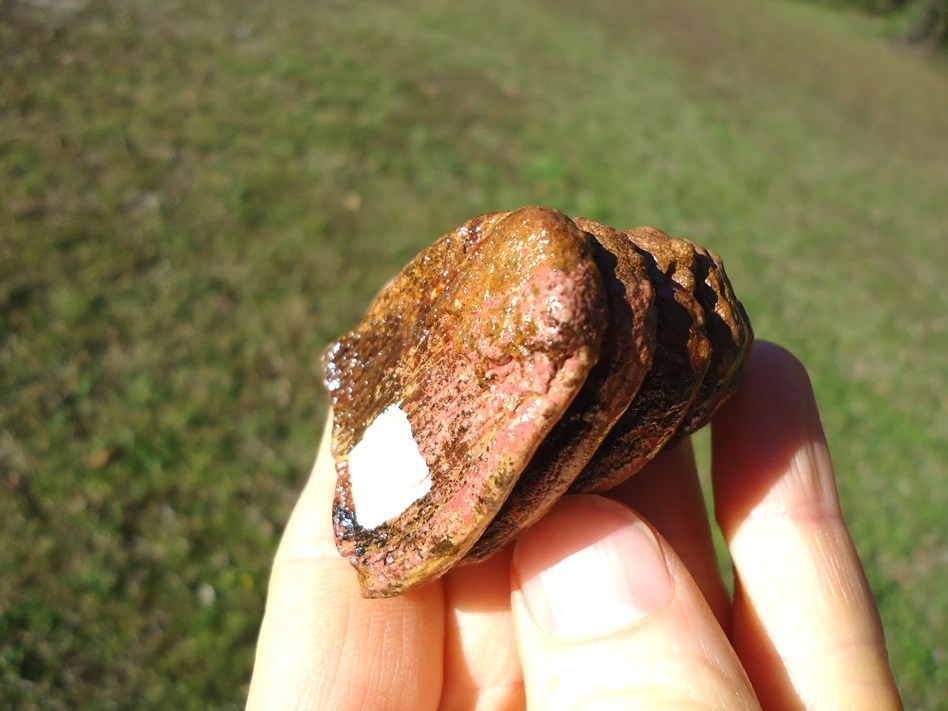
521	356
458	372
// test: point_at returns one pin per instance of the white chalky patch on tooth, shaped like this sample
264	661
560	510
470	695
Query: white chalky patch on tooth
387	473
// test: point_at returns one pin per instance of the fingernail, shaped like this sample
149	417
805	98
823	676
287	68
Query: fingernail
590	567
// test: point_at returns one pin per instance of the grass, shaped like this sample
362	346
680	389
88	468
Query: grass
198	196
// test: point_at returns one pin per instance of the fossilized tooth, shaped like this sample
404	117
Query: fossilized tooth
624	360
730	333
474	381
480	343
682	356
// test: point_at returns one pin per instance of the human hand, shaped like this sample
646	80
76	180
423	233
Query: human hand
594	608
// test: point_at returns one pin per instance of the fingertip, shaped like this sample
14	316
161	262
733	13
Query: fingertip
762	434
775	395
667	493
771	372
590	567
607	616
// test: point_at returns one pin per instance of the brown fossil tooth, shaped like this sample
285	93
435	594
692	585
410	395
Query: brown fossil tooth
464	363
470	398
624	360
730	333
682	357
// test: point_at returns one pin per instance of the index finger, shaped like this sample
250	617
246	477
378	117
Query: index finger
321	645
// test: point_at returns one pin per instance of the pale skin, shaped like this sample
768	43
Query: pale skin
609	602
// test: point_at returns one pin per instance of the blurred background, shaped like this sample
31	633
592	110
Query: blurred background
196	197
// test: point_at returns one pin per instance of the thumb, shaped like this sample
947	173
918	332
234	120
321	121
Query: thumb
608	617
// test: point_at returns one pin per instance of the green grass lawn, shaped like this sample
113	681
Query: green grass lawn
196	197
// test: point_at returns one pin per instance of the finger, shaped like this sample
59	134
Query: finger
321	645
804	621
667	493
608	617
481	662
